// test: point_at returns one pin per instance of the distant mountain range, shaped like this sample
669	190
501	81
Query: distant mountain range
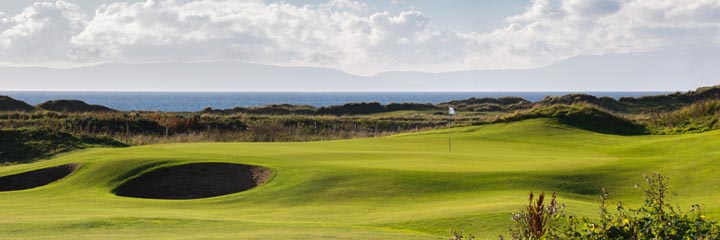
667	70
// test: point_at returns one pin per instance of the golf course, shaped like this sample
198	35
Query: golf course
403	186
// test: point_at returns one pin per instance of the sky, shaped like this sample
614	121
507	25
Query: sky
358	37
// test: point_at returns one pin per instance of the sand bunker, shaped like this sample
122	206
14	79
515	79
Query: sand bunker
36	178
195	180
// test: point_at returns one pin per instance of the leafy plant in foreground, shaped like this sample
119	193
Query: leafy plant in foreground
538	219
455	235
656	218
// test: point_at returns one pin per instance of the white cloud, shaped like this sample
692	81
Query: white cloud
40	34
344	34
549	32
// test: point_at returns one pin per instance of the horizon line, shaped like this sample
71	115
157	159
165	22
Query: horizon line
300	91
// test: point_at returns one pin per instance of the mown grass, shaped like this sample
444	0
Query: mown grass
406	186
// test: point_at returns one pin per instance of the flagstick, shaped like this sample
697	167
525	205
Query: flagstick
449	138
451	112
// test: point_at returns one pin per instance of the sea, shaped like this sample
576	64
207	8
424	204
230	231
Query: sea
196	101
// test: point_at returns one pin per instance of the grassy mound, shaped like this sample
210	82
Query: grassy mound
697	117
35	178
191	181
10	104
573	99
488	104
21	146
276	109
72	106
581	116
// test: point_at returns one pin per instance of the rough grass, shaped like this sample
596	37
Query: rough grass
25	145
697	117
584	116
405	186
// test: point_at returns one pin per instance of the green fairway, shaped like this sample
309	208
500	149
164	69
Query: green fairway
406	186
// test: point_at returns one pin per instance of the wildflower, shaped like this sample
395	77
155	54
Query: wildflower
626	221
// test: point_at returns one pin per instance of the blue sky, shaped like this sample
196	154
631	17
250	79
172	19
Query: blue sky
358	37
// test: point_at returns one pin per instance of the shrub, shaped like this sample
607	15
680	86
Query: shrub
353	109
656	218
698	117
455	235
538	219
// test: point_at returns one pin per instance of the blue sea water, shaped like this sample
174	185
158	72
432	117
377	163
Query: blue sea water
196	101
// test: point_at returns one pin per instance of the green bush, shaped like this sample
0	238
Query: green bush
656	218
698	117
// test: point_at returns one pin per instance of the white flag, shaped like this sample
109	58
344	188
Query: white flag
451	111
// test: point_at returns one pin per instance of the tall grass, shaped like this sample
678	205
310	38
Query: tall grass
584	116
137	128
697	117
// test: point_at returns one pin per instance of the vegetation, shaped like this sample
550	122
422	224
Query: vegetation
538	220
604	102
10	104
346	109
373	107
155	127
141	128
292	123
401	184
72	106
275	109
657	218
404	186
698	117
503	104
644	105
581	116
21	146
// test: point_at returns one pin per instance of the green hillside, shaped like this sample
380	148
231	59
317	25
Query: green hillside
26	145
406	186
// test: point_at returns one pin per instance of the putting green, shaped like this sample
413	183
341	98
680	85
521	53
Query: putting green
399	187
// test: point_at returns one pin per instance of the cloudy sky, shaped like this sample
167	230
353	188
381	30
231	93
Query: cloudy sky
358	37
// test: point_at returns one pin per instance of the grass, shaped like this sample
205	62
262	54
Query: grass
405	186
26	145
698	117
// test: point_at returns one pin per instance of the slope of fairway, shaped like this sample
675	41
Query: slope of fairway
401	187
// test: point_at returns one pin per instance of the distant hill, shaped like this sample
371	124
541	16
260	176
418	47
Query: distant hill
346	109
72	106
277	109
10	104
489	104
651	71
655	103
